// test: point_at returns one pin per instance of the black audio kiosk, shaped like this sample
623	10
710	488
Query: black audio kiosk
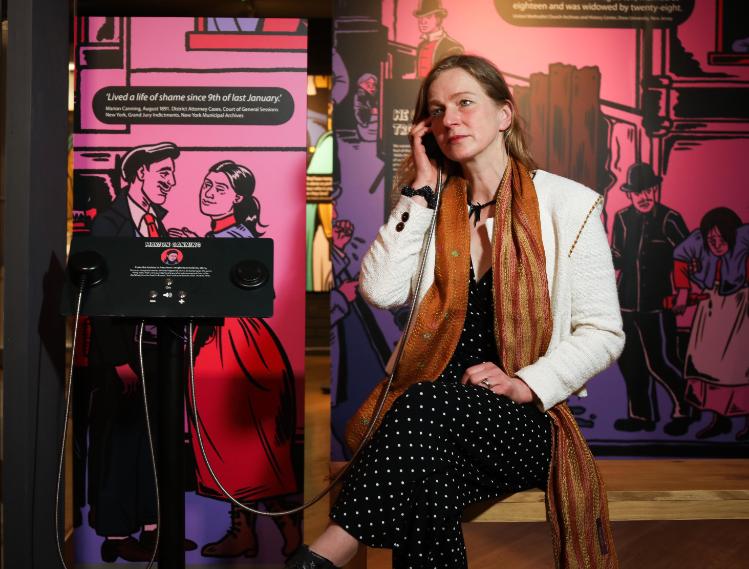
169	283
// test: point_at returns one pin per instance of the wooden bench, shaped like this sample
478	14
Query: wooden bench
688	489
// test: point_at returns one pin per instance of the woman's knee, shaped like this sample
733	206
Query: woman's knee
419	399
422	406
421	389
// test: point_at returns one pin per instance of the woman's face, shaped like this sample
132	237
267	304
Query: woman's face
466	122
715	242
217	197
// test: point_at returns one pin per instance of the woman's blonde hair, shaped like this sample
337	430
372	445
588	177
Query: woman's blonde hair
495	86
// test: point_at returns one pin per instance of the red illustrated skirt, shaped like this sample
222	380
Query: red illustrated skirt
245	389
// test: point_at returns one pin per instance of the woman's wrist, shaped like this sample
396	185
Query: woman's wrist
420	182
525	393
419	201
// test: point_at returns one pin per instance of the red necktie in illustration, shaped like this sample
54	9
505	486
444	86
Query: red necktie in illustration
153	229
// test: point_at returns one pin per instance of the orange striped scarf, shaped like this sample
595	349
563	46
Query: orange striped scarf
576	502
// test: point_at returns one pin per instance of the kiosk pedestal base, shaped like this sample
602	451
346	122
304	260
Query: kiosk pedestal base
170	447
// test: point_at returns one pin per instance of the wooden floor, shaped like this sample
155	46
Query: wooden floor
711	544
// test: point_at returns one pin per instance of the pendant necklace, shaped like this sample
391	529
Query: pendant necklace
475	210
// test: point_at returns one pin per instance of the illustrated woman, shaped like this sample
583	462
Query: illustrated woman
715	259
517	311
245	390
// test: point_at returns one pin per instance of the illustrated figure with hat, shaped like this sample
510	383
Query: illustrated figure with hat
435	42
644	237
122	492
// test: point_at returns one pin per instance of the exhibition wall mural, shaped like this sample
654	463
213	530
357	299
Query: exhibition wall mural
184	128
319	183
641	100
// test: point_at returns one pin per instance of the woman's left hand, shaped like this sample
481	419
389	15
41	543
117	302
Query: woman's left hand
489	376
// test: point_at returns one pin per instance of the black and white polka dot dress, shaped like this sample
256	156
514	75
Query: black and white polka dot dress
441	447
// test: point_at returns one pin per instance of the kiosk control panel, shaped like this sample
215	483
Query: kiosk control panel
165	278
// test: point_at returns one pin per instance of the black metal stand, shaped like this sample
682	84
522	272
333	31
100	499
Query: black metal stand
170	459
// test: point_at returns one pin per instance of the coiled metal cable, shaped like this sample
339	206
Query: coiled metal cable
379	407
61	461
150	443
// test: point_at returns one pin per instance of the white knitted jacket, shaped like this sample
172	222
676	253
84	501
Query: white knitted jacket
587	333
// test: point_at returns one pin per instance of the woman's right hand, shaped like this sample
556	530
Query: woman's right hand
426	168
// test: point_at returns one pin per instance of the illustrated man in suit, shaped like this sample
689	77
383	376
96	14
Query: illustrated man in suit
121	485
644	237
150	174
435	42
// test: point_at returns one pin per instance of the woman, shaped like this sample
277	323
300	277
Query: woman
245	390
715	258
480	390
226	196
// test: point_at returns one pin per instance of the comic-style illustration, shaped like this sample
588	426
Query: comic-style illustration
715	258
352	320
435	42
644	110
319	183
644	237
149	172
122	492
366	107
243	361
161	162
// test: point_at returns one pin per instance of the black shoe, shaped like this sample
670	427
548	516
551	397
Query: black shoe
128	549
743	434
678	426
632	425
718	426
148	540
306	559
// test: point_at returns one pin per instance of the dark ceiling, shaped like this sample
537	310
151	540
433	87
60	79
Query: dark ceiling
237	8
319	13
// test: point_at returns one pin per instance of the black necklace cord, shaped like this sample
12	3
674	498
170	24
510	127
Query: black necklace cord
379	406
474	210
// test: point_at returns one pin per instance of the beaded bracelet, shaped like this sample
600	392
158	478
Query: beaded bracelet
425	192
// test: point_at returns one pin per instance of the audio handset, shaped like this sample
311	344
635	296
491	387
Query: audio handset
432	148
86	269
